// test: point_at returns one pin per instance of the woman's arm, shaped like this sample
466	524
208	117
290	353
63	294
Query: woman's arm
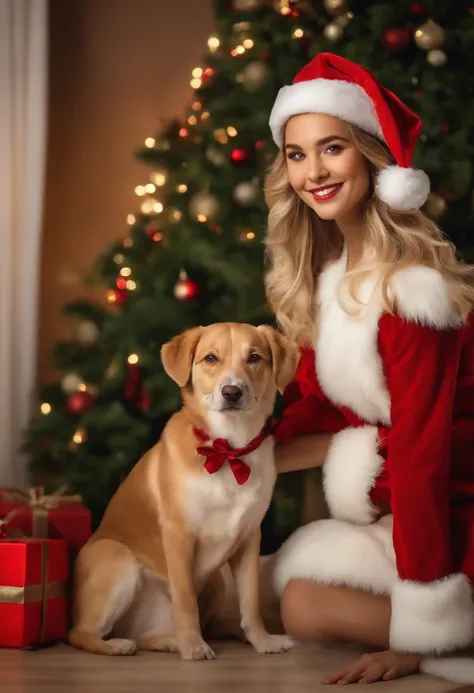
303	452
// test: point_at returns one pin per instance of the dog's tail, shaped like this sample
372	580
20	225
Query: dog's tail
456	669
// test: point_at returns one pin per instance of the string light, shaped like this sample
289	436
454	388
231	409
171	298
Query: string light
150	142
240	50
205	115
131	285
131	219
176	215
110	296
195	83
128	242
80	436
192	120
197	72
183	132
197	105
45	408
118	259
213	43
133	358
121	283
201	218
250	235
125	272
158	207
158	178
140	190
221	136
248	43
234	52
82	387
182	188
231	131
150	188
157	237
298	33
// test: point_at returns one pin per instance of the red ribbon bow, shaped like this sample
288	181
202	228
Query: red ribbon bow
220	451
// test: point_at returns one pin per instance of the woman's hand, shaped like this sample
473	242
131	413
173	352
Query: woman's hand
304	452
379	666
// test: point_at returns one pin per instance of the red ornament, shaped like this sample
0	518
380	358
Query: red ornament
186	289
121	283
240	156
259	145
417	9
396	38
446	127
78	403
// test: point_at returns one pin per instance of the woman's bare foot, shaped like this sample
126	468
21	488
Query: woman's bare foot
379	666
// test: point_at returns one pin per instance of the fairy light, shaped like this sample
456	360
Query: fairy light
131	219
298	33
240	50
182	188
158	178
197	72
79	437
183	132
213	43
140	190
231	131
250	235
197	105
128	242
125	272
133	359
176	215
205	115
202	218
82	387
150	188
147	207
234	52
131	285
45	408
248	43
157	207
157	237
150	142
195	83
119	258
192	120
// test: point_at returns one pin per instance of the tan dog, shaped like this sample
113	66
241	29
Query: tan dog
150	575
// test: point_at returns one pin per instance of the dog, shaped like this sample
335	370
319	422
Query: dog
150	577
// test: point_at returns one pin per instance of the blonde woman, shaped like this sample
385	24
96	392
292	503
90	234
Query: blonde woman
384	395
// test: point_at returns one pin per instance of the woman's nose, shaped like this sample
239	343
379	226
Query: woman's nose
317	170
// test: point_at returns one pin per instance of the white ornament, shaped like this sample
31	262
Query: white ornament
437	58
87	332
245	193
71	382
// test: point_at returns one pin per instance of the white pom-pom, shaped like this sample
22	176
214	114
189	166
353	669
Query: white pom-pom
402	188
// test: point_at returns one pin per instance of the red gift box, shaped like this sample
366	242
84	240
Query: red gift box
33	587
41	516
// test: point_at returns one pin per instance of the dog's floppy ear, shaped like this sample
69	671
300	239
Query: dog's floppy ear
177	355
285	356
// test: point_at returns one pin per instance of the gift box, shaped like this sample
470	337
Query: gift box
39	515
33	588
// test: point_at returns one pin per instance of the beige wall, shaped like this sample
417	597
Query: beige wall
117	68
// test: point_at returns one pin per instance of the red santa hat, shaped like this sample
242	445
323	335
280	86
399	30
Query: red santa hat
335	86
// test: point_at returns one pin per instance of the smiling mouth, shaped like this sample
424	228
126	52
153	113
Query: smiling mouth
327	193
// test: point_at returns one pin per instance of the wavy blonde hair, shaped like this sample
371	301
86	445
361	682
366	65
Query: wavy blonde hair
298	244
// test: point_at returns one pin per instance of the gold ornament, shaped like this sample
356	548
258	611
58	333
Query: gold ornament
254	75
333	32
429	36
335	7
435	206
436	58
203	204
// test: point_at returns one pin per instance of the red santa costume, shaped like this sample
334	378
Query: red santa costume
397	391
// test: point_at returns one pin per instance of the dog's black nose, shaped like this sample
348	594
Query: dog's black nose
231	393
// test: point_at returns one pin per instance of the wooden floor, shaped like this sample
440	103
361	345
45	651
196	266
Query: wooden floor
61	669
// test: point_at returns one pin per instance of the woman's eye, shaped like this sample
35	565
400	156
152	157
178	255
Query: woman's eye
334	149
254	358
295	156
211	358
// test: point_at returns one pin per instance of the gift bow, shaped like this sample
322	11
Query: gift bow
40	502
220	451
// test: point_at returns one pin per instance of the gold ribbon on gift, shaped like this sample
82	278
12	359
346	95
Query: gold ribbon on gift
28	594
40	503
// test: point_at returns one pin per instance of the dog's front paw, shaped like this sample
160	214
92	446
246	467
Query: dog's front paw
194	647
267	643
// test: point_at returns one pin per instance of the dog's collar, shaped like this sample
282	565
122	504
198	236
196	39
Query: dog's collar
220	451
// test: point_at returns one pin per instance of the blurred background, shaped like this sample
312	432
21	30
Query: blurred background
134	143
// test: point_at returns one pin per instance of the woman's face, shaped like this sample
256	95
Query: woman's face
325	167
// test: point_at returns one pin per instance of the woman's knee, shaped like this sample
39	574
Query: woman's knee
302	611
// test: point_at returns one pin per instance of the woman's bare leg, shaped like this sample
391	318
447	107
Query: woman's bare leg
312	611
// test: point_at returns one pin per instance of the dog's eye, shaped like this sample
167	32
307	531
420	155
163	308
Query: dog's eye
253	358
211	358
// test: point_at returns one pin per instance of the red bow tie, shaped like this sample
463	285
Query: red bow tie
220	451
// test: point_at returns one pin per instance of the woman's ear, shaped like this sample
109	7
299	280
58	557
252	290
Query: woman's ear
285	356
178	354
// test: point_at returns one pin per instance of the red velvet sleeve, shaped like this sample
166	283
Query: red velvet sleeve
421	365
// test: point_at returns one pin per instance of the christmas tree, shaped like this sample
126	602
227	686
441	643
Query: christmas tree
193	251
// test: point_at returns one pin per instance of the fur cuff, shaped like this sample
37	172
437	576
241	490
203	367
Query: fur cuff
349	473
433	617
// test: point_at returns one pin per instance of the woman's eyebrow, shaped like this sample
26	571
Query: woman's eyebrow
324	140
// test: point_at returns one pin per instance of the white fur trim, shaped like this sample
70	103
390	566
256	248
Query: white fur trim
334	97
432	617
402	188
422	296
349	473
338	553
348	362
456	669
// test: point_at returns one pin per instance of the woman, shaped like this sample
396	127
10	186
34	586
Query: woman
384	394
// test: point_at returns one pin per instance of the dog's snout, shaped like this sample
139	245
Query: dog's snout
232	393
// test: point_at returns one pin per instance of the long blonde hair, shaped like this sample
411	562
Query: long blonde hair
298	244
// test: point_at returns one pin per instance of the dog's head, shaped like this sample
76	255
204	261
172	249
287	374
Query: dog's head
231	367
